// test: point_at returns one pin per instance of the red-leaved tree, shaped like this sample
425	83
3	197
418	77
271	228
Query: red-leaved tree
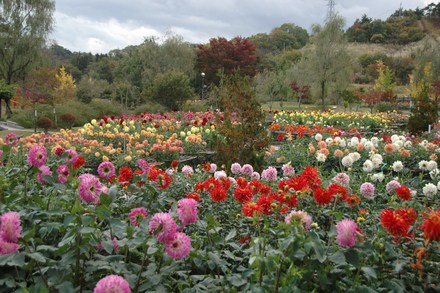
221	55
301	92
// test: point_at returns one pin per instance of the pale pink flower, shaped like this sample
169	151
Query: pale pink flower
187	170
179	246
187	211
269	174
247	169
213	168
392	185
10	227
304	217
255	175
137	215
342	178
288	170
112	284
163	226
367	189
346	233
37	156
236	168
44	171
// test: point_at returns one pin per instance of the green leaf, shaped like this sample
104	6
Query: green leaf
86	230
152	250
36	256
352	257
231	235
12	259
319	251
77	207
105	199
103	212
337	258
369	272
113	192
236	281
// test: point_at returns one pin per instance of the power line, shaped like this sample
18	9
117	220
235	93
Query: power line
331	9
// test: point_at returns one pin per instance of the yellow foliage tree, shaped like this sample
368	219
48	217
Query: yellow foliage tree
65	90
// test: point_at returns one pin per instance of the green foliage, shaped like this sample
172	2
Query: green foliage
423	114
149	107
171	89
241	137
68	120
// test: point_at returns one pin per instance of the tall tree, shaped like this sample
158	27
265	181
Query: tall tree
24	27
328	60
221	55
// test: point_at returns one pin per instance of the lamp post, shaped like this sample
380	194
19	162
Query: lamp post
203	85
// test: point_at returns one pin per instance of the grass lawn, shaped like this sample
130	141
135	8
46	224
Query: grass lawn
3	133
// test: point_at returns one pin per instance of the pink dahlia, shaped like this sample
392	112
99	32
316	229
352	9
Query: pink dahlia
143	165
187	211
247	169
11	139
112	284
367	190
44	171
342	178
106	170
269	174
236	168
63	172
304	217
37	156
179	246
137	215
346	233
90	188
392	185
163	226
10	227
8	247
187	170
72	156
288	170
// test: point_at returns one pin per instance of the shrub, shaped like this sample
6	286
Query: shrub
68	119
45	123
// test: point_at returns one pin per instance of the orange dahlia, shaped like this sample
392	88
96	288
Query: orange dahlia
431	225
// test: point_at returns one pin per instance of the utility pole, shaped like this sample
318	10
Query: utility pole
331	9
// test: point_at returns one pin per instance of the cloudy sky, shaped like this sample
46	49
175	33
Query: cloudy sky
99	26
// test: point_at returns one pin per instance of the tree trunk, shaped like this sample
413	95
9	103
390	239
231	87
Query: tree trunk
322	94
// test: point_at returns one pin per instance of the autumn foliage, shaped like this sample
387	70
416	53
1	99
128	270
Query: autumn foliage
224	56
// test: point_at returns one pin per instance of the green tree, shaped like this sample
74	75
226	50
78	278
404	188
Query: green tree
384	82
24	27
328	60
172	89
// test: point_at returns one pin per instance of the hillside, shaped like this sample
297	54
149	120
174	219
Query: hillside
430	28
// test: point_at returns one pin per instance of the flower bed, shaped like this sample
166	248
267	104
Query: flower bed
328	212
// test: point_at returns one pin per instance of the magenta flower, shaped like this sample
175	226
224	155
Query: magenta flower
11	139
367	190
346	233
37	156
236	168
269	174
63	172
179	246
247	169
1	155
72	156
187	211
8	247
112	284
143	165
10	227
115	245
106	170
137	215
163	226
90	188
44	171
